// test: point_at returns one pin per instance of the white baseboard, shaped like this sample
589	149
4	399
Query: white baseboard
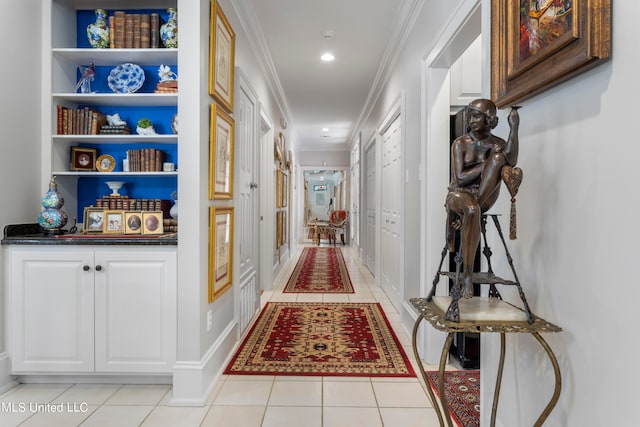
7	381
194	381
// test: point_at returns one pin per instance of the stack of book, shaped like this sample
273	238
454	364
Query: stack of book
134	30
79	121
146	160
125	203
115	130
167	86
170	225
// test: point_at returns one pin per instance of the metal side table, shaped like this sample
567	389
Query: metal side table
481	314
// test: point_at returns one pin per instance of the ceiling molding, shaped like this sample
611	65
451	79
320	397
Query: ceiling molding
404	22
251	26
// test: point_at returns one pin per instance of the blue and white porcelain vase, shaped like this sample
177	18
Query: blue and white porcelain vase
169	30
98	32
52	218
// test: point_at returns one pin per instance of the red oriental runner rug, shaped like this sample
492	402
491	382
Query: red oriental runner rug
321	339
462	389
320	270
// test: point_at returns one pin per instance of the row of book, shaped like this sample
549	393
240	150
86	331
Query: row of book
134	30
79	121
124	203
146	159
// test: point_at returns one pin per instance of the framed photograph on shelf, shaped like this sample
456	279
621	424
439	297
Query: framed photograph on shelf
220	250
152	222
222	41
220	154
93	220
83	159
113	222
105	163
132	222
538	44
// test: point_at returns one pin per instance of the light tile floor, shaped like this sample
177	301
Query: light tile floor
242	401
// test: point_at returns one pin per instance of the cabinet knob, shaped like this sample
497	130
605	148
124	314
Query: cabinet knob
98	268
86	268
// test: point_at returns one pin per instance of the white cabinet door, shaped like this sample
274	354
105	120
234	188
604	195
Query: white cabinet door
51	309
135	310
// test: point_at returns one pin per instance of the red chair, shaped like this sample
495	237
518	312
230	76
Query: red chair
338	222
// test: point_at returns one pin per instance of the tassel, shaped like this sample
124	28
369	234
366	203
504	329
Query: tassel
512	220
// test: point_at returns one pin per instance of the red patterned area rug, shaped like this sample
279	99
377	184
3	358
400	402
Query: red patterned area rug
462	389
321	339
320	271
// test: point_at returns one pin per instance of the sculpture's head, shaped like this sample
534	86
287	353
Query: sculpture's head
486	107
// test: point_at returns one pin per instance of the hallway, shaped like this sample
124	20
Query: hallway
243	401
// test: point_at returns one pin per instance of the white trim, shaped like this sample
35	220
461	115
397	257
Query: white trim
193	381
7	381
461	30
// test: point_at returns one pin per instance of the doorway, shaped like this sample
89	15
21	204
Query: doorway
324	190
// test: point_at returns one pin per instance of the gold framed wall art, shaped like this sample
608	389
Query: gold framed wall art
538	44
222	41
220	250
220	154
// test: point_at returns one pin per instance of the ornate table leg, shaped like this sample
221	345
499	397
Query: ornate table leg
496	392
421	369
441	369
556	391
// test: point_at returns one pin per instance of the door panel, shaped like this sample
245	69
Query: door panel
370	233
391	212
247	198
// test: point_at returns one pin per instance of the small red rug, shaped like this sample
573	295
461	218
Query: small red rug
320	271
462	389
321	339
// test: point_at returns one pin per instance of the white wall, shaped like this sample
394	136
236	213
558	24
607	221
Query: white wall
577	244
22	185
577	236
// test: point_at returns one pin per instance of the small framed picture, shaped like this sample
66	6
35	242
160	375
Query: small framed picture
105	163
93	220
152	222
132	222
83	159
114	222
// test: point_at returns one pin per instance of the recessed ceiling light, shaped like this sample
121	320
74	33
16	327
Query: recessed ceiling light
325	129
327	57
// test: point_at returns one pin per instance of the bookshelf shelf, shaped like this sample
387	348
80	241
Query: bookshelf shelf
130	99
114	174
105	57
117	139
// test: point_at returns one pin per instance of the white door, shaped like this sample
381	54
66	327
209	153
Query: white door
391	211
247	214
51	309
135	309
370	232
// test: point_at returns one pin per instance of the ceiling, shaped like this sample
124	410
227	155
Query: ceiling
314	94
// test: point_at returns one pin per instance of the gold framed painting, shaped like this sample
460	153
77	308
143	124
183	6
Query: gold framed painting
222	41
152	222
93	220
538	44
132	222
220	250
113	222
220	154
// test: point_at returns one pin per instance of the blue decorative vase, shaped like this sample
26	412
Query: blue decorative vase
169	30
52	218
98	32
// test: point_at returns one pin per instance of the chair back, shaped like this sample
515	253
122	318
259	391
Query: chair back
338	217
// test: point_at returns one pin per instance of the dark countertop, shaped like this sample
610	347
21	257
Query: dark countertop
31	234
